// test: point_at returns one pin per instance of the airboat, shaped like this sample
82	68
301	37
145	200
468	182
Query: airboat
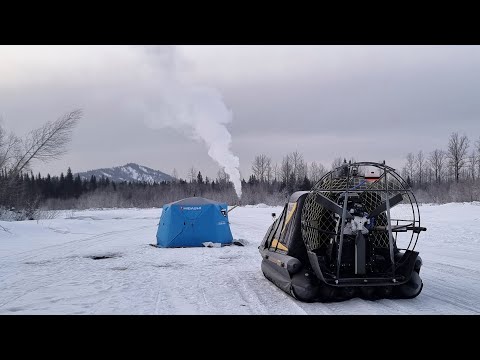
352	235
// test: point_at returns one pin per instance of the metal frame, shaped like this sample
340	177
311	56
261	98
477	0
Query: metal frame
413	224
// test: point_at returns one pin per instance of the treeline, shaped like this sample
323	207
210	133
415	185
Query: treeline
32	192
441	176
446	175
272	183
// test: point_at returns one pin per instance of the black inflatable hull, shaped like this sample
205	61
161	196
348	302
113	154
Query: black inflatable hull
304	285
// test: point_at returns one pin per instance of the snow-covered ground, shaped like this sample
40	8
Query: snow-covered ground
47	267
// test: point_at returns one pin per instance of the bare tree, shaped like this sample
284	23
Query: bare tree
420	162
268	169
313	173
261	166
16	156
192	174
472	162
276	172
287	168
477	143
404	172
337	162
174	174
222	176
316	171
269	175
46	143
302	172
410	165
437	161
297	164
322	170
9	146
450	172
457	153
429	173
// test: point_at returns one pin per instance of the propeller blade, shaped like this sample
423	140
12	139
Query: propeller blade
360	254
401	228
383	206
330	205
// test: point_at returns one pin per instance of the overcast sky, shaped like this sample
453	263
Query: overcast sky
369	102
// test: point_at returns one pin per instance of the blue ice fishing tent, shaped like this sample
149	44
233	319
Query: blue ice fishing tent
191	222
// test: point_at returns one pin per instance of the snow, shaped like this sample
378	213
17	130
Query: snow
133	173
48	267
257	206
128	172
136	176
147	178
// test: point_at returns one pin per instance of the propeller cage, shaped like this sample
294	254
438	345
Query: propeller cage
350	223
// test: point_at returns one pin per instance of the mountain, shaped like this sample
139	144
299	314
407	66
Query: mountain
129	172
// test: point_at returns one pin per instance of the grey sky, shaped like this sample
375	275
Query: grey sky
370	102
